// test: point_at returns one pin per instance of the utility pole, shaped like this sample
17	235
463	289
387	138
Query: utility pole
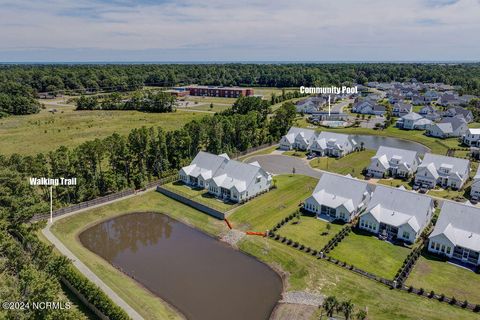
51	204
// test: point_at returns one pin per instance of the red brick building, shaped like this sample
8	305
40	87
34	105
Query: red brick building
226	92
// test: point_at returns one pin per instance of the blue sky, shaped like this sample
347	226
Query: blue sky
251	30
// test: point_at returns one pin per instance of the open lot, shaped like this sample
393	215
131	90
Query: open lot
367	252
45	131
352	163
310	231
265	211
199	195
432	273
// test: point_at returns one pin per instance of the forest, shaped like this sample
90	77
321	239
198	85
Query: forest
77	79
29	269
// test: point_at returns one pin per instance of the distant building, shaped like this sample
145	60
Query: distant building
400	109
448	127
472	137
225	92
475	188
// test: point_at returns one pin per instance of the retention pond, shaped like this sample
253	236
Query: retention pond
200	276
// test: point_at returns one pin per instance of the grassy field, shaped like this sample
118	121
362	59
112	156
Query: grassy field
299	154
147	304
431	273
319	276
264	212
258	153
367	252
395	183
199	195
352	163
439	146
310	231
45	131
206	107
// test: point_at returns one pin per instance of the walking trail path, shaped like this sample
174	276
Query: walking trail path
82	267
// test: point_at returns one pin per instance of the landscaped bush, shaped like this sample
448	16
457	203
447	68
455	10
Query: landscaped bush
477	308
432	294
442	297
465	304
453	301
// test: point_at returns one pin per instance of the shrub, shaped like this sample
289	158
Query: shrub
432	294
410	289
421	291
442	297
453	301
477	308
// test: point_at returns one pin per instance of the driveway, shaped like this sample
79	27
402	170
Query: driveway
278	164
338	107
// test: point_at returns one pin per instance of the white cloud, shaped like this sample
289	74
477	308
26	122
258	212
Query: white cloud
244	30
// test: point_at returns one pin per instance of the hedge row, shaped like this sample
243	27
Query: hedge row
442	298
294	244
285	221
93	294
337	238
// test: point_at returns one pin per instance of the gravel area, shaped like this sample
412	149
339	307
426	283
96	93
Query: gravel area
302	297
232	237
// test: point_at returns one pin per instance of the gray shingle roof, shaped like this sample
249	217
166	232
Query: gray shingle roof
458	165
460	223
408	156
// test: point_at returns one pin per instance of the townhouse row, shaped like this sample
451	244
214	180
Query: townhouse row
398	215
227	179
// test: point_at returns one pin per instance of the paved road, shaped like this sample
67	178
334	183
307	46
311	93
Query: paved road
278	164
338	107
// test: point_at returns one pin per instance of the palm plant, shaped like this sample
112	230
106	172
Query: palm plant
347	309
329	305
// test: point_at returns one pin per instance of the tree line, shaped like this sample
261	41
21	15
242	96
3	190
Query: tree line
79	79
30	270
147	101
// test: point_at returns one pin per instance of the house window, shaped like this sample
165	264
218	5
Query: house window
443	248
437	246
406	235
362	223
258	180
432	245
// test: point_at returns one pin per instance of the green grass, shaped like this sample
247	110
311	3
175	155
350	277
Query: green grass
206	107
319	276
439	146
299	154
367	252
352	163
264	212
44	131
432	273
147	304
199	195
258	153
395	183
310	231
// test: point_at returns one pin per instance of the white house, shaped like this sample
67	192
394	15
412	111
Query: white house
368	107
338	197
475	187
400	109
457	233
414	121
202	168
472	137
297	138
397	214
227	179
448	127
442	170
333	144
393	162
310	105
238	181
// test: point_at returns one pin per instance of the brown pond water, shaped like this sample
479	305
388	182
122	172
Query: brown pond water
200	276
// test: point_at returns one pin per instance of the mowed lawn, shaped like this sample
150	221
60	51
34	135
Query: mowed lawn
319	276
45	131
199	195
147	304
395	183
352	163
310	231
265	211
432	273
367	252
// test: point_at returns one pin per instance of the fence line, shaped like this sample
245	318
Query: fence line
191	203
100	200
253	149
